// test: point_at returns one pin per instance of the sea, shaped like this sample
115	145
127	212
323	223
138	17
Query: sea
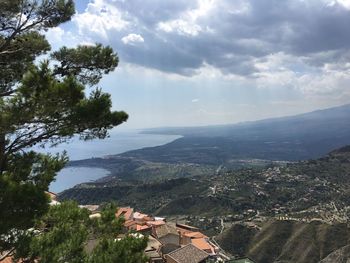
118	142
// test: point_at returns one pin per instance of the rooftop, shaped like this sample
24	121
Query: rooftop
188	254
126	212
164	230
202	244
194	235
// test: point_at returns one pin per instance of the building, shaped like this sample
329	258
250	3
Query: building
187	254
187	236
196	238
152	250
166	234
204	245
125	212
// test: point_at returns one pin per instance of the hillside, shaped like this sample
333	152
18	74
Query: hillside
290	213
202	150
341	255
299	137
286	241
304	190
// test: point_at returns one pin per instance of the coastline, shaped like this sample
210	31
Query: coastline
122	142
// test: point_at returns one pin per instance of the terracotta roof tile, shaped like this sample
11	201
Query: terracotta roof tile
140	227
129	223
126	212
188	254
164	230
194	235
139	216
202	244
155	223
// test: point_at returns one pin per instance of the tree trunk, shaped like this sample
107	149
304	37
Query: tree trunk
2	153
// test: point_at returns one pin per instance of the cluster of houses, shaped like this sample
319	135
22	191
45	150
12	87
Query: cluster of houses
169	242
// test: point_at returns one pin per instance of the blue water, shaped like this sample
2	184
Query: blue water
118	142
72	176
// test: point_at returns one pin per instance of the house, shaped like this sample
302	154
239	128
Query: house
204	245
125	212
196	238
129	224
137	221
187	254
186	227
166	234
187	236
141	218
155	223
152	250
145	229
168	248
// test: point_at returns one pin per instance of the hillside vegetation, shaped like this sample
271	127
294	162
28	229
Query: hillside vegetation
305	189
286	241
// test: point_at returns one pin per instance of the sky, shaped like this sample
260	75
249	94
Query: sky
206	62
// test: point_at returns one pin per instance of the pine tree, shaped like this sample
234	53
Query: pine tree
43	104
67	234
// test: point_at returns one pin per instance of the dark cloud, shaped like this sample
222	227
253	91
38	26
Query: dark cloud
232	34
151	12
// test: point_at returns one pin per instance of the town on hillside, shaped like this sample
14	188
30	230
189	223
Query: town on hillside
168	242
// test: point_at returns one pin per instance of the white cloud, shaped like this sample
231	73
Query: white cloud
344	3
187	23
195	100
55	34
132	39
58	37
180	26
99	18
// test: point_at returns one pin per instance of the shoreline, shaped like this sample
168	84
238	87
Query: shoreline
72	175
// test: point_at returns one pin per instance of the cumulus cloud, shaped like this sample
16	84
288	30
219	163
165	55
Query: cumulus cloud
132	39
100	19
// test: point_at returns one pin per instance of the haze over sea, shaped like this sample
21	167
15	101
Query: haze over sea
118	142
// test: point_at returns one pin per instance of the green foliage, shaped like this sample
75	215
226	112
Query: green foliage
43	103
108	223
22	189
66	233
127	250
86	62
64	229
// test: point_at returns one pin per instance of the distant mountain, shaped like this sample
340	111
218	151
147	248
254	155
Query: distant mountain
299	137
207	150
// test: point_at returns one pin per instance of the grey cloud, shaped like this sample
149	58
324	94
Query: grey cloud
231	41
151	12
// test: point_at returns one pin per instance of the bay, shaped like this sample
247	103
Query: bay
69	177
118	142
